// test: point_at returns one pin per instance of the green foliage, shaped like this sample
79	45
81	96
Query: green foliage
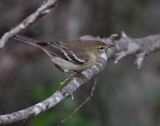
44	119
42	91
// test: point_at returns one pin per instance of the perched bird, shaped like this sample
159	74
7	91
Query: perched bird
69	56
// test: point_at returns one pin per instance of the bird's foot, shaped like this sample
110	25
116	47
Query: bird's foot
66	80
72	75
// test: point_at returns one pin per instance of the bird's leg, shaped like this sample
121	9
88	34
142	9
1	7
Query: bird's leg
66	80
63	83
71	75
59	67
74	74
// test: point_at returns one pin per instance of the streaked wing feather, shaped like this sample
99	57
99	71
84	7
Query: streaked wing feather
58	49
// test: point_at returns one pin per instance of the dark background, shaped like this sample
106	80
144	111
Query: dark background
125	96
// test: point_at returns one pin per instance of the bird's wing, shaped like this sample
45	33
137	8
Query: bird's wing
56	49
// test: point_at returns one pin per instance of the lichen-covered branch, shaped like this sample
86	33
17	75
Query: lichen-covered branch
139	47
42	10
123	46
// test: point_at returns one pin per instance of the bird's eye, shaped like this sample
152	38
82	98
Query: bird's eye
101	49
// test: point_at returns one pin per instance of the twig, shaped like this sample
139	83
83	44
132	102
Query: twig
42	10
83	104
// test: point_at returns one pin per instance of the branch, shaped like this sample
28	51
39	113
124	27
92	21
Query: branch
124	46
42	10
55	98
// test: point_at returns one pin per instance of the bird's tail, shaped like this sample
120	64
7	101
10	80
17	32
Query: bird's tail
27	40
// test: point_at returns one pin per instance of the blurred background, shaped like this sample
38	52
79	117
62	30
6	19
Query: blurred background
125	96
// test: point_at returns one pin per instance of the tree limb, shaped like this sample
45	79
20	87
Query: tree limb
125	45
42	10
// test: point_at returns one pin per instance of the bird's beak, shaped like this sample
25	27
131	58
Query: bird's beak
109	46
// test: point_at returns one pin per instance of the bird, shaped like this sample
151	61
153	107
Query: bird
68	56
